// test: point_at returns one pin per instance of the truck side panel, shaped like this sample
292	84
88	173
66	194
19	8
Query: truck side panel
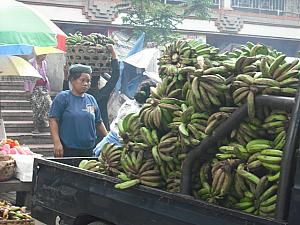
70	192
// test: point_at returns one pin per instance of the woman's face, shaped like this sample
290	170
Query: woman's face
81	84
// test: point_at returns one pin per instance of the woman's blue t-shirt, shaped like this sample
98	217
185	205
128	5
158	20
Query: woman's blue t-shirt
77	116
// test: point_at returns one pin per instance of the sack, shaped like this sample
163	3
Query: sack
24	166
7	167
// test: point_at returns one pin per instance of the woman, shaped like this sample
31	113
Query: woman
129	106
40	99
75	116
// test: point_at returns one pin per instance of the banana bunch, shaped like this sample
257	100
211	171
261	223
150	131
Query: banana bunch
276	123
250	50
110	159
74	39
205	192
168	148
178	53
267	206
156	114
271	159
261	200
216	179
246	87
11	212
247	131
167	89
222	177
173	182
232	151
91	165
138	171
129	128
189	125
165	98
209	89
215	120
150	138
257	145
93	39
168	70
253	164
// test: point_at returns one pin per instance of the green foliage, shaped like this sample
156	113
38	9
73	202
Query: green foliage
158	20
199	8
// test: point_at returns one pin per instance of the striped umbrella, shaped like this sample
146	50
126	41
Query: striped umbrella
22	27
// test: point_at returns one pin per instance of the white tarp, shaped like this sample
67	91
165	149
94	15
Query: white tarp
146	59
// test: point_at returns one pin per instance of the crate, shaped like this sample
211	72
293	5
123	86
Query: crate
96	57
17	222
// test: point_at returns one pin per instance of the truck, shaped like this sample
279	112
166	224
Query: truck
75	196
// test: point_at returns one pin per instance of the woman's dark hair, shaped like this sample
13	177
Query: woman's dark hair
143	91
76	70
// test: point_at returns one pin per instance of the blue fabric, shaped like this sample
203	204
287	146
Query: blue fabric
112	138
77	118
15	49
131	80
138	46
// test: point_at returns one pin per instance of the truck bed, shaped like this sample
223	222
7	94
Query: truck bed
79	197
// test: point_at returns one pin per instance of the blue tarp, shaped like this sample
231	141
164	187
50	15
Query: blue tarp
130	75
15	49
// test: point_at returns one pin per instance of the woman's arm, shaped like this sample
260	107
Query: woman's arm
101	129
58	148
111	83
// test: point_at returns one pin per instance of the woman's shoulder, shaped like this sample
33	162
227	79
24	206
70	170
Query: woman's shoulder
62	95
90	97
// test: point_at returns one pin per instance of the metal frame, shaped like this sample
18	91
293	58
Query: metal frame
285	183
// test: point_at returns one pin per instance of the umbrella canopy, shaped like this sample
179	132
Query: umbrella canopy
22	27
16	68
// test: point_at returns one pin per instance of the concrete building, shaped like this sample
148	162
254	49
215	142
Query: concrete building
275	23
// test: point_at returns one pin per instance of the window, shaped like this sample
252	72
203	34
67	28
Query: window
265	5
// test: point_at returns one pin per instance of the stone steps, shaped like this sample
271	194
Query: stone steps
15	105
16	115
16	85
13	94
29	138
21	126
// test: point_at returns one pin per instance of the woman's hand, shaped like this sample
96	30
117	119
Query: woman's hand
111	48
58	150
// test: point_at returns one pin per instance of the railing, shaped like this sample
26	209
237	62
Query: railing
262	5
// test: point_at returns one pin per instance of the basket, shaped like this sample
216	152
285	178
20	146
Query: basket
96	57
7	167
17	222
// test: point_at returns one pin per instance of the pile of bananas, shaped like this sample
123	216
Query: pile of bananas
137	170
200	89
107	163
10	212
250	183
93	39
